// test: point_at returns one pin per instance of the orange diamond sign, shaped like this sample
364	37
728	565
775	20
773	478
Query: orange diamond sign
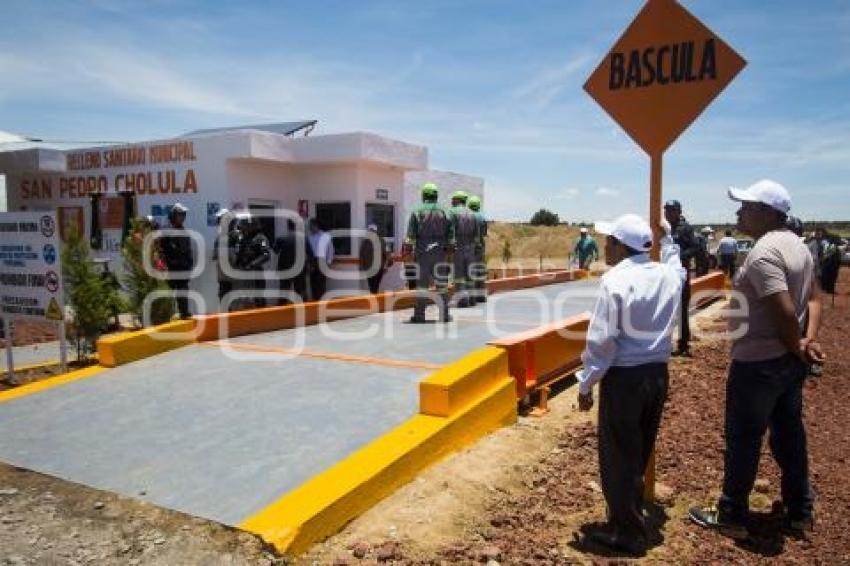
662	73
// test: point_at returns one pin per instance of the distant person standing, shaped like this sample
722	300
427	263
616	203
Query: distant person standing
727	251
224	251
430	235
480	259
829	255
465	229
774	340
178	257
322	249
253	254
585	249
373	268
286	248
683	235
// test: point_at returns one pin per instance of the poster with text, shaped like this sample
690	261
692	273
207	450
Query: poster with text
30	266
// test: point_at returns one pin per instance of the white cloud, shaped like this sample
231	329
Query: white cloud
566	194
607	192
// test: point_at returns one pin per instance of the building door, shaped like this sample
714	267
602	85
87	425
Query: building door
382	216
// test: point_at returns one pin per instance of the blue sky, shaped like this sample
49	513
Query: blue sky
492	87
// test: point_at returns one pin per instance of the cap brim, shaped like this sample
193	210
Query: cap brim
741	195
605	228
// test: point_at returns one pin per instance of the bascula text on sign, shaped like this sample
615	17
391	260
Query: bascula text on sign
663	64
142	183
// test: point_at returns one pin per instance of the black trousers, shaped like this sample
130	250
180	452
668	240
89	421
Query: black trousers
318	284
760	396
182	300
631	400
375	281
727	264
685	316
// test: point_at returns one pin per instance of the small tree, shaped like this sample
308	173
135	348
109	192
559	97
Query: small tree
138	282
91	297
544	217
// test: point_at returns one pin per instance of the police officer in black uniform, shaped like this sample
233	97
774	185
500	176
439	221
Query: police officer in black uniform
178	256
683	235
253	254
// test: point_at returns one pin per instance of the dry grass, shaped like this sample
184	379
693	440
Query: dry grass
529	243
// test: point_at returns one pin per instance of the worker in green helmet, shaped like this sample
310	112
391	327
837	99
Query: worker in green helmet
466	236
479	265
430	236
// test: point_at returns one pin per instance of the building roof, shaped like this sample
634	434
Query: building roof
283	128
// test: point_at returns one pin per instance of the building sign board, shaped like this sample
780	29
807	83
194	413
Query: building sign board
661	74
30	266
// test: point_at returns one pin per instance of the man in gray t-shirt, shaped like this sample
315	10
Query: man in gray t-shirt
774	323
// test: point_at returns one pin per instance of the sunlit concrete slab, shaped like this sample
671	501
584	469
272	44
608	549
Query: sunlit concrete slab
222	430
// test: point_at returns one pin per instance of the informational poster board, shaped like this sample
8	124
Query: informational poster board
30	266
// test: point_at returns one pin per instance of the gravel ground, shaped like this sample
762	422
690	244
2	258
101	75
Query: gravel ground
543	523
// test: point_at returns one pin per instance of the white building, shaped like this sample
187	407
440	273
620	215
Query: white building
348	181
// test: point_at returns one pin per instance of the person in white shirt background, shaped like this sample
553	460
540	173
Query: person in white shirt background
323	254
628	348
727	252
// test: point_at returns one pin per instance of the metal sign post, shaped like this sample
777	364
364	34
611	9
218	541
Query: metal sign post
658	77
63	348
10	358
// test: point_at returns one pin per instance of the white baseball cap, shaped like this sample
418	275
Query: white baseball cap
583	230
221	212
766	192
629	229
372	227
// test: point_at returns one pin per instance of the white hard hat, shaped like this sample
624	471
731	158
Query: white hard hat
179	208
221	212
372	227
766	192
583	230
629	229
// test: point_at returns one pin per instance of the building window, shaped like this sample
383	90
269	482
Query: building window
382	216
336	216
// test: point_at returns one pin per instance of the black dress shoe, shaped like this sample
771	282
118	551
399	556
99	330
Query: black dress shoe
417	319
632	546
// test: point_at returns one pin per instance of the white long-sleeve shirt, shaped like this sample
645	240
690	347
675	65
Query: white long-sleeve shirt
322	246
634	315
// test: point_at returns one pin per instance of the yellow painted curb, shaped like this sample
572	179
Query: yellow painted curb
450	389
324	504
49	383
128	347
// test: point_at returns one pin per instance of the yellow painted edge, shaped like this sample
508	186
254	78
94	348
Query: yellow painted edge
129	347
50	383
324	504
448	390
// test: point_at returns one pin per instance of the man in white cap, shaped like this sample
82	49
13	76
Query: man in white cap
773	341
585	249
179	259
628	348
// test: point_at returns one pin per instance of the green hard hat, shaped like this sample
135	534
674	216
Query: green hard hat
474	203
459	195
430	190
